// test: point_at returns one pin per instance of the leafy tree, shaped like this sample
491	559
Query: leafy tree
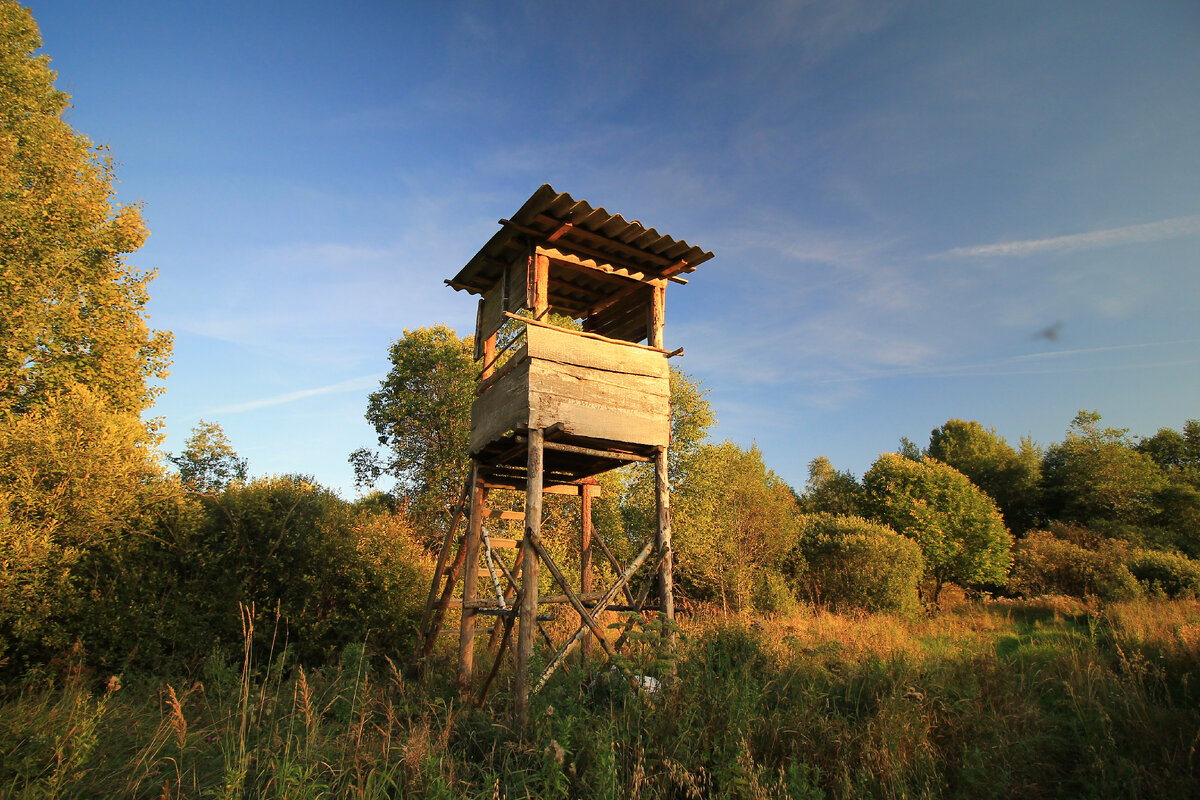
1010	477
732	523
1178	454
421	413
829	491
71	308
1096	475
958	527
208	462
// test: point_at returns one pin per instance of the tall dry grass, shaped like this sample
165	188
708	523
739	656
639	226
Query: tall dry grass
1047	699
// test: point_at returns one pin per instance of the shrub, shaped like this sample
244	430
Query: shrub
772	593
1046	564
1165	573
851	563
76	475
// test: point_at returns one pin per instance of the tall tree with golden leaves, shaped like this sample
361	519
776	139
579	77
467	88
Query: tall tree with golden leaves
72	310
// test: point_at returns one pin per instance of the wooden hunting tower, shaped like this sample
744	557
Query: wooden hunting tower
554	408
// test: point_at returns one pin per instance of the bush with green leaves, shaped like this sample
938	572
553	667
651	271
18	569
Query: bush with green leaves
849	563
1048	564
1165	574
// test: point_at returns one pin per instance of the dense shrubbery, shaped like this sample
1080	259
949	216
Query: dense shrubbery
1165	574
1046	564
171	587
849	563
77	480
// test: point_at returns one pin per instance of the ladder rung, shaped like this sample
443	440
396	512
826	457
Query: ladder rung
482	572
499	543
494	513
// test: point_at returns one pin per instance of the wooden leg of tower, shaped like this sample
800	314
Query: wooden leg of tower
466	634
585	556
527	630
662	491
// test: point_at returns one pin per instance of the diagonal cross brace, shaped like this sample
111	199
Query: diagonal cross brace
605	600
584	615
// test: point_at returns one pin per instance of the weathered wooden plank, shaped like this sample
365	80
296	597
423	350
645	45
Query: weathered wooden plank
619	389
529	580
502	408
600	422
515	295
491	311
658	317
587	335
555	345
495	513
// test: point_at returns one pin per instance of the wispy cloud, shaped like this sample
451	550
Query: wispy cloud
1027	364
1174	228
351	385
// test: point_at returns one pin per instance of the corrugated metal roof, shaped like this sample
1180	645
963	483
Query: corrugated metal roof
558	220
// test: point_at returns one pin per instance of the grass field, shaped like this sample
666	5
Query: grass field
1050	698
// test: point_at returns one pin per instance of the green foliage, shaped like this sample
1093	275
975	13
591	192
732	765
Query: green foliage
1044	563
291	548
1010	477
831	492
773	593
1095	474
77	477
958	527
71	308
1165	574
849	563
208	462
731	521
421	413
1176	453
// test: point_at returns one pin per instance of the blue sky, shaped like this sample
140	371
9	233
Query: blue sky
920	210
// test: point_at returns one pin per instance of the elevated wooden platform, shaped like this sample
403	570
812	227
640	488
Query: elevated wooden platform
600	405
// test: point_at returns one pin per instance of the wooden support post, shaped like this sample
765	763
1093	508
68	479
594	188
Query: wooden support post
538	289
658	317
666	584
585	555
470	546
489	357
529	580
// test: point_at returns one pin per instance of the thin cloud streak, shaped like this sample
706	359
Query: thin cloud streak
1175	228
351	385
1013	365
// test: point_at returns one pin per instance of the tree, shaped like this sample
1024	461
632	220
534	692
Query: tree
71	308
732	523
1010	477
829	491
1177	454
76	355
421	413
208	463
1096	475
958	527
